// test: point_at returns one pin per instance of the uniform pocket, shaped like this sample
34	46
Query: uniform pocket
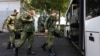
11	27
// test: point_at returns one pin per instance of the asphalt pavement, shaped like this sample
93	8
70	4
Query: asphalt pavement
61	46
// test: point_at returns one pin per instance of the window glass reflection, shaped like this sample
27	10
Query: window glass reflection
92	8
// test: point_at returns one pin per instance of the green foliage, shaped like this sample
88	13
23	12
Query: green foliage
59	5
48	5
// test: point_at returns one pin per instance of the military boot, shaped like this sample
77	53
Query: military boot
44	47
29	52
52	53
16	51
13	45
9	46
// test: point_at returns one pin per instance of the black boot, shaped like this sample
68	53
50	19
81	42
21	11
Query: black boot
13	45
44	46
16	51
29	52
9	46
51	52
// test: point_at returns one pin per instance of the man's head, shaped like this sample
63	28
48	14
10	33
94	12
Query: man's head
32	11
16	11
54	13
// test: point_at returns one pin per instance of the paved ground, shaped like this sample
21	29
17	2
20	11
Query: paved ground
62	47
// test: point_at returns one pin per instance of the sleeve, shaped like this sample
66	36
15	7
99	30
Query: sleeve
17	23
56	19
46	22
24	18
6	22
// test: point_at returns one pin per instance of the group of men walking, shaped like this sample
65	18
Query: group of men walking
26	31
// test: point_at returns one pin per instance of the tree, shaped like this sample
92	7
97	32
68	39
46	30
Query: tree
59	5
47	4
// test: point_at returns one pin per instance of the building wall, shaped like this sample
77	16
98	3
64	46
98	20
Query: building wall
7	9
8	0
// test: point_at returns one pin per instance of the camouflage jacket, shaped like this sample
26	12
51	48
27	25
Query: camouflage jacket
50	22
41	22
28	26
10	23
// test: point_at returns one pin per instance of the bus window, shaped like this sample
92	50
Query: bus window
92	8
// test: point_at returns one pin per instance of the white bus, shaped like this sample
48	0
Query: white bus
85	34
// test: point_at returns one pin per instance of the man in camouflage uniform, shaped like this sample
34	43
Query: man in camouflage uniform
41	21
49	29
27	33
10	25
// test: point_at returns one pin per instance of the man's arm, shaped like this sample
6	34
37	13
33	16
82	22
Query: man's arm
25	18
46	24
6	22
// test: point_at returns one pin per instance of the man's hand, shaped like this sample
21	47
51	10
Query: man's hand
46	31
31	20
3	30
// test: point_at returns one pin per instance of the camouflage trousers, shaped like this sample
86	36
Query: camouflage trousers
11	37
26	36
49	40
